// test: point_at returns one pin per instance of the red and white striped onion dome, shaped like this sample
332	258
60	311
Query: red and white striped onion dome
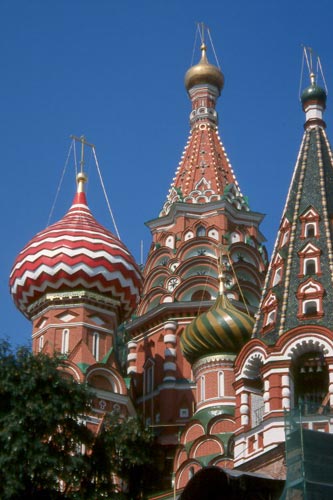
74	254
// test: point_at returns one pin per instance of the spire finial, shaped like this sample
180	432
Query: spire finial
202	27
221	266
313	98
312	78
315	69
81	177
204	73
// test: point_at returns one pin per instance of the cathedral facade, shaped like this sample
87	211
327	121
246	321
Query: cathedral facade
220	342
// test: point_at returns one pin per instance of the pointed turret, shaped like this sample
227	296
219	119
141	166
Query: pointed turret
203	210
298	287
288	362
204	173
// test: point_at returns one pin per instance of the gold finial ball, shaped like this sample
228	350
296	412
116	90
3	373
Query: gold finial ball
81	177
204	73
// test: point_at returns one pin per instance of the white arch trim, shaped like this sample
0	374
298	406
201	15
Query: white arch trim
193	426
252	363
308	342
114	380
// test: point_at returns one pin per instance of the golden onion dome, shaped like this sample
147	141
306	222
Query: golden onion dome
204	73
223	328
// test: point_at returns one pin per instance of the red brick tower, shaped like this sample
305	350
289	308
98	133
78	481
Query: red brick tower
203	209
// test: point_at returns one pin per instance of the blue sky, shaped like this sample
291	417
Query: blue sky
113	71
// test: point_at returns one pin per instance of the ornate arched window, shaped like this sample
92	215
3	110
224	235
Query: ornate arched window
310	223
277	276
269	308
284	233
309	260
310	300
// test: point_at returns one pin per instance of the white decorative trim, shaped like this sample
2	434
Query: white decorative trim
252	364
169	366
308	342
170	325
170	337
214	358
169	378
170	351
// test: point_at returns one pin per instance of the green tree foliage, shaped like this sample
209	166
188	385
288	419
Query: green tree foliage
43	434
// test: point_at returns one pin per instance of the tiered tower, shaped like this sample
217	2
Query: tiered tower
211	343
290	359
203	209
77	282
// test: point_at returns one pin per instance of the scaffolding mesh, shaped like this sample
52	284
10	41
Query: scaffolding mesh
309	453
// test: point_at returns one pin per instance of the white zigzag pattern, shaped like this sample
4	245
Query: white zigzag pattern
92	254
90	271
82	237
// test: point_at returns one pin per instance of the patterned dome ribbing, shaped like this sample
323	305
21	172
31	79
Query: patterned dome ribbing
221	329
76	253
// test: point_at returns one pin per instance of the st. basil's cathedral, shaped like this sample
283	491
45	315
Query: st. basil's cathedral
220	342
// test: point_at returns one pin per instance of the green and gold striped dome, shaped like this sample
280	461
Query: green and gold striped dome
221	329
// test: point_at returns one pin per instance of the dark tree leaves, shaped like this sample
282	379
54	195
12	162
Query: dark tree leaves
47	451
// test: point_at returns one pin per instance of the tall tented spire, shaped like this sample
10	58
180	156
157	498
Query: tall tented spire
299	283
186	293
204	173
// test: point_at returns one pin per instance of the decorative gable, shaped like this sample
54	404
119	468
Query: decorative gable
269	310
284	233
310	223
310	300
309	260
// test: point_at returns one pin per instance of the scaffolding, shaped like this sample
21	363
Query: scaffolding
309	453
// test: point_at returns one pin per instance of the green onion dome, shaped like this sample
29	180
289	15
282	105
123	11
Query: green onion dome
223	328
313	92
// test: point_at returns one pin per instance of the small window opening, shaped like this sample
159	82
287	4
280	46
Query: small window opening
277	276
310	308
310	267
201	231
65	342
270	317
310	230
